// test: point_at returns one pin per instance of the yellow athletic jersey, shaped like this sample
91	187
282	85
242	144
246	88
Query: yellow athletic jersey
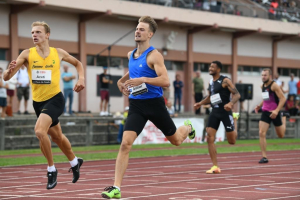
44	74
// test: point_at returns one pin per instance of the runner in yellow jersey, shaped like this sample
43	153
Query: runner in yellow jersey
43	65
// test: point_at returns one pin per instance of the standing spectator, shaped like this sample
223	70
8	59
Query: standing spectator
277	80
121	126
178	84
298	88
3	95
292	86
23	87
197	87
12	84
105	80
67	78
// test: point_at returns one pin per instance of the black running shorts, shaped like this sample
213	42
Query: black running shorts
142	110
224	116
53	107
265	117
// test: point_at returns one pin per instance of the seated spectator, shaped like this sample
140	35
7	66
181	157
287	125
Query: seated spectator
171	109
291	106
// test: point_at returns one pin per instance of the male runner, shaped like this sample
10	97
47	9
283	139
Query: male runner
220	88
43	65
146	77
273	101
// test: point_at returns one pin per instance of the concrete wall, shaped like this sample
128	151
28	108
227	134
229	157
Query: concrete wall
4	19
255	45
289	49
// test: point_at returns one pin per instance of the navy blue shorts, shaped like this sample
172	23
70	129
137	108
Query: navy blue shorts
3	102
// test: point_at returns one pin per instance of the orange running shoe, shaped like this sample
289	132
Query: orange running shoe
214	170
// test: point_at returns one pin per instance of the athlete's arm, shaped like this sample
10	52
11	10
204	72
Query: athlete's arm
235	93
155	60
65	56
281	98
15	65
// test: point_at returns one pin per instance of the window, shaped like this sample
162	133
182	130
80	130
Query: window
90	60
287	72
249	70
3	54
174	65
204	67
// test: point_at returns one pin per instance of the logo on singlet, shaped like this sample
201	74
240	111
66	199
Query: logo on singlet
219	81
49	66
34	66
141	65
53	62
35	61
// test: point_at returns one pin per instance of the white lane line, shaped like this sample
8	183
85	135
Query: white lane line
279	177
294	188
214	189
250	180
142	180
171	177
282	197
212	183
200	196
258	192
173	187
137	192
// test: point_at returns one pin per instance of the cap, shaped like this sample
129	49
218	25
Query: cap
105	67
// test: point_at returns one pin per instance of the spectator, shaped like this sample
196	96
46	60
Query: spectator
12	84
121	126
67	78
178	84
166	94
105	80
3	95
23	88
292	86
171	109
282	88
291	105
197	88
277	80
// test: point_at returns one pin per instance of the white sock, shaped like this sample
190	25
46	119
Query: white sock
74	162
51	168
117	188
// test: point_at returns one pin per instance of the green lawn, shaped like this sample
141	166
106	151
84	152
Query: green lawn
145	151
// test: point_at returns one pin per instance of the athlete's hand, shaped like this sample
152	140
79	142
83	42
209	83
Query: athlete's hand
228	106
11	66
134	82
123	89
80	85
257	109
274	114
197	105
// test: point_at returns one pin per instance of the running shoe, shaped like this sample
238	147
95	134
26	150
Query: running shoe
52	180
192	134
76	170
235	115
111	192
263	160
214	170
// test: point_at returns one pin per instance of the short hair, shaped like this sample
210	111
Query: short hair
218	63
149	20
268	69
44	24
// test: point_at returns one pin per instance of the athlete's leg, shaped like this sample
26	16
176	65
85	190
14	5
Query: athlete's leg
263	128
211	136
62	141
180	135
123	156
101	105
280	130
41	129
105	105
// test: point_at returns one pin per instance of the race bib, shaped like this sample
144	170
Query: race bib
265	96
140	89
215	99
41	76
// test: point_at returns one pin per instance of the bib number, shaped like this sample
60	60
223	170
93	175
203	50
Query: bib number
140	89
215	99
265	96
41	76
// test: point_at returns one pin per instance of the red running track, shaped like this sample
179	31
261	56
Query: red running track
161	178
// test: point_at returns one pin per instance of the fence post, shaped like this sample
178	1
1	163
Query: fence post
89	132
2	134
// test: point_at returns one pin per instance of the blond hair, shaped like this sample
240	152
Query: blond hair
149	20
44	24
267	69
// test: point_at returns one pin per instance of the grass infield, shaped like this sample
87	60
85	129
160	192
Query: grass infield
34	156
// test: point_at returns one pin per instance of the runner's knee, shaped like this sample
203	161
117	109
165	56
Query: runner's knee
40	134
57	138
210	138
125	145
262	134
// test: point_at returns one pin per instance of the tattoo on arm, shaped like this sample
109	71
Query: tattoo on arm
235	93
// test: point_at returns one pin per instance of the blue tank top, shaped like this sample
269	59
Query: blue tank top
138	67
